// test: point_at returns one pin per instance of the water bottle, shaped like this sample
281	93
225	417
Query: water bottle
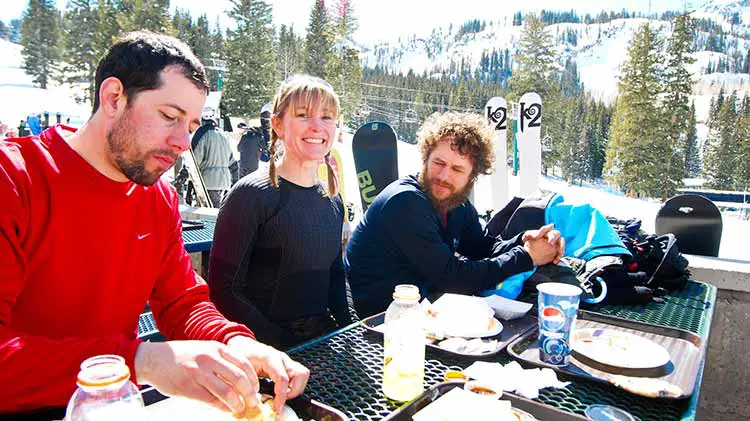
404	342
105	392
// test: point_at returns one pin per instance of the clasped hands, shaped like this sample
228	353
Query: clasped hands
544	245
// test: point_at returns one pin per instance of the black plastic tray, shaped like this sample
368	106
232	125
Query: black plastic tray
539	410
512	329
304	407
674	381
192	224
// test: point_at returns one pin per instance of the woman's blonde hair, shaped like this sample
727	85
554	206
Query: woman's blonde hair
308	91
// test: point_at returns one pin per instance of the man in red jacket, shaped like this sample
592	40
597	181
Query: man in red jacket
89	233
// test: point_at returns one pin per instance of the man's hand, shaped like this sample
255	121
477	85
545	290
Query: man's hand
289	377
208	371
549	235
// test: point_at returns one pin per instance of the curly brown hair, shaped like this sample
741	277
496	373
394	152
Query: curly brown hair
467	133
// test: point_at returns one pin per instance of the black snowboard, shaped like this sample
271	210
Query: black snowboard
375	159
695	221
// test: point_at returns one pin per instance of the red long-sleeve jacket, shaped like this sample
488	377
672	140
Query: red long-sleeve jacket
80	254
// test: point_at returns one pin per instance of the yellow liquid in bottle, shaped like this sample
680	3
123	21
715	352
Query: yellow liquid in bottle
403	372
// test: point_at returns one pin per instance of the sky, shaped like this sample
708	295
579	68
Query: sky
389	19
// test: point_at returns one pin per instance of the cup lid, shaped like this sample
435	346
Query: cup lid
607	413
559	288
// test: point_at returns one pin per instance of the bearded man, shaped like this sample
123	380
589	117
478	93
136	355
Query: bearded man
422	230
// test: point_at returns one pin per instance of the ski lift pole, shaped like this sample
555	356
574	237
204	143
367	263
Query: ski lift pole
514	115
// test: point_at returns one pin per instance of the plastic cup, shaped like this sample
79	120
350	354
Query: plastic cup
558	308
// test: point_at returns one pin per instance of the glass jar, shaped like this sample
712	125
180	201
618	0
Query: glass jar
105	392
404	343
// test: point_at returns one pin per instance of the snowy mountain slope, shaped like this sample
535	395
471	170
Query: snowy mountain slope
599	50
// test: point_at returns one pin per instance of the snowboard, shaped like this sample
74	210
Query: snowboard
694	220
375	159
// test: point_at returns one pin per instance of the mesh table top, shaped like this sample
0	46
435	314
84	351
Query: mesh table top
199	239
346	366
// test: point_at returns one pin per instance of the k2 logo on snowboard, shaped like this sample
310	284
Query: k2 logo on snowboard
533	112
498	117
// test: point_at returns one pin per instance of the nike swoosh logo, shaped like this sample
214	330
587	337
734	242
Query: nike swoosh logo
142	236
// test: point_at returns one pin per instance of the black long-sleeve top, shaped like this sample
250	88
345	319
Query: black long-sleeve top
402	239
276	261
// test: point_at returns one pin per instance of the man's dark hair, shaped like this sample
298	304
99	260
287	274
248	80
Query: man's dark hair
138	58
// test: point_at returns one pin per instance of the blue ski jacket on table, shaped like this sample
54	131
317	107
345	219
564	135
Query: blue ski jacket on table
586	231
402	239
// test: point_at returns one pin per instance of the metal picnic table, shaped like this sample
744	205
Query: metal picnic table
199	241
346	365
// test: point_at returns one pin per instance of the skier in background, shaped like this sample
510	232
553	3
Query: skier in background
214	158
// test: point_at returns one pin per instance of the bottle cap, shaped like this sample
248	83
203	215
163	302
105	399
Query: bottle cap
607	413
103	370
406	292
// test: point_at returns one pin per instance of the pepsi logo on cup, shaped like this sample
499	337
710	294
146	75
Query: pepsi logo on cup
553	319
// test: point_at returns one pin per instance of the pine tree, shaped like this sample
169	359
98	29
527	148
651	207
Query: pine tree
198	36
318	45
290	53
600	138
636	151
721	158
343	69
107	29
202	43
151	15
40	36
678	86
79	28
182	26
251	58
742	172
692	160
4	30
535	61
14	30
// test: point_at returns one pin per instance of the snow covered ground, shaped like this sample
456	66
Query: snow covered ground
19	98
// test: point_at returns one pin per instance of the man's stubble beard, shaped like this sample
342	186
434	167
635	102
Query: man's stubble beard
453	201
121	141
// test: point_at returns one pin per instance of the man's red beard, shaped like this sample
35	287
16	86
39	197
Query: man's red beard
454	200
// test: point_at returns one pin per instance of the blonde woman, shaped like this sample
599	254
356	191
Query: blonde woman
276	259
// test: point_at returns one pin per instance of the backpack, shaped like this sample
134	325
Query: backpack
249	147
660	259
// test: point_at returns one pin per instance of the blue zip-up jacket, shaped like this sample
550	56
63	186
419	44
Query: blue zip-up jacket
402	239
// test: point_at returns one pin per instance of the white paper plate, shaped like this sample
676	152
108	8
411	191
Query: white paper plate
618	349
494	328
